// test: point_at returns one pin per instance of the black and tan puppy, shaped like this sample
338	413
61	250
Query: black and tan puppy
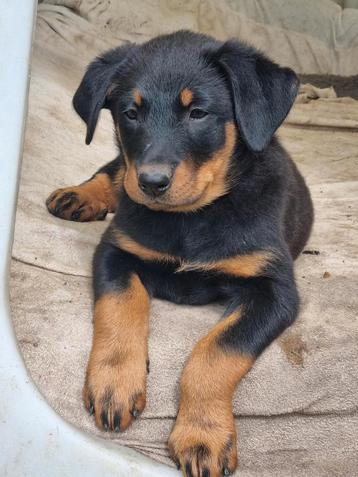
207	206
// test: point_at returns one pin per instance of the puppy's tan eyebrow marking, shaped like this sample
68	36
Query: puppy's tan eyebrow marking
137	97
186	97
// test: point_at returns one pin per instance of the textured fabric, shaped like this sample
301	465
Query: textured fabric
320	19
342	85
296	411
310	36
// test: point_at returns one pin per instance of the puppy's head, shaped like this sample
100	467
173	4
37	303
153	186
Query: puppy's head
180	104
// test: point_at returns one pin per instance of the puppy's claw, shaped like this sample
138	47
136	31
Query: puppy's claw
117	423
104	419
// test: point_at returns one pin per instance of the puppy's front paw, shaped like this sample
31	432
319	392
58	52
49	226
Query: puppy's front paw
115	389
203	440
76	203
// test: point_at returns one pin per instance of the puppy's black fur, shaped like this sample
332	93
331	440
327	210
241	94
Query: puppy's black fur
189	107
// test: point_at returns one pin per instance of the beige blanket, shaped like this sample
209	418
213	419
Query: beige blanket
296	411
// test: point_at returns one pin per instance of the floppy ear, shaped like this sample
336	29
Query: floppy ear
91	95
263	92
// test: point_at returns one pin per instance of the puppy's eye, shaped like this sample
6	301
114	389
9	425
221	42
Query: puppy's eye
131	114
197	113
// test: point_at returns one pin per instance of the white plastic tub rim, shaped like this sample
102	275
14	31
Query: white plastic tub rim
34	440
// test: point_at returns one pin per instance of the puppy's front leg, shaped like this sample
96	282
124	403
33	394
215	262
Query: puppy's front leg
115	386
203	440
92	199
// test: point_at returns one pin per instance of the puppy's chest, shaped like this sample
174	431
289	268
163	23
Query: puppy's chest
201	247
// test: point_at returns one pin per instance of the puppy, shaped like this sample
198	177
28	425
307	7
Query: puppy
208	206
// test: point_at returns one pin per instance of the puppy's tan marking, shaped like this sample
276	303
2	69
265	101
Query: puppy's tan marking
129	245
204	432
186	96
116	373
119	179
246	266
137	97
131	182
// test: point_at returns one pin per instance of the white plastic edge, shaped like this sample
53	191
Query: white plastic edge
34	440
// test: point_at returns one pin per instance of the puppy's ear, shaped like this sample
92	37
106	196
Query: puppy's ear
91	95
263	92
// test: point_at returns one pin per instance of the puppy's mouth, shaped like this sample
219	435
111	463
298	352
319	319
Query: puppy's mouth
168	204
169	201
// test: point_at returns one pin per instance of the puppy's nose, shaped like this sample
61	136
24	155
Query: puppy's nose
153	183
